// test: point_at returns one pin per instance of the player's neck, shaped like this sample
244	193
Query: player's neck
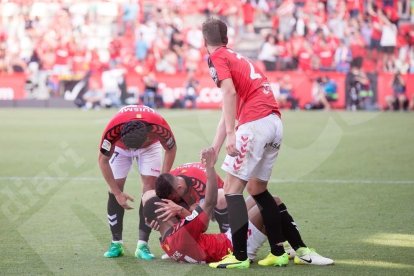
212	49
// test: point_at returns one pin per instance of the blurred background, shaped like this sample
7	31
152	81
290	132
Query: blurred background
329	54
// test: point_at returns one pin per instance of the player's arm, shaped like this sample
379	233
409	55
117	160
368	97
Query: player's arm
169	158
220	136
166	137
210	200
229	114
106	170
169	209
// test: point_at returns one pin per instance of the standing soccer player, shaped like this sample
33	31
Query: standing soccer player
252	145
136	132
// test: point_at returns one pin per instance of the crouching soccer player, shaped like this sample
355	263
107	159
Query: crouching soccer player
187	184
136	132
185	241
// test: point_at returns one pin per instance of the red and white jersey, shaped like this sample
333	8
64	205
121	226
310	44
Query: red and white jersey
196	172
158	128
187	242
255	98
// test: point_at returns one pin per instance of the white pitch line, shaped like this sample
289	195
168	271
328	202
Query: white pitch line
275	180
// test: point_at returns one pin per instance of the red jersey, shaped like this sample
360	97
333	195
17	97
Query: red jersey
187	242
255	98
158	128
196	172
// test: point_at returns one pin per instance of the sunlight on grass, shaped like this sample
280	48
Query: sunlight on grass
401	240
379	264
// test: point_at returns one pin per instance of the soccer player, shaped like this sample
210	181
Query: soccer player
186	186
185	241
138	133
252	145
187	183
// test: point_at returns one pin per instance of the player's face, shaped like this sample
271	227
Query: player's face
178	192
180	186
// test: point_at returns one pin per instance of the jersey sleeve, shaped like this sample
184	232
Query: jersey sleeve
164	134
197	222
219	68
110	136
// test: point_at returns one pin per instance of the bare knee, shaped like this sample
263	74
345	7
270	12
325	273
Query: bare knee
256	186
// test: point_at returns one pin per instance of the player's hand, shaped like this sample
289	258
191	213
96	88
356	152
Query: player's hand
123	198
208	157
231	145
168	209
154	224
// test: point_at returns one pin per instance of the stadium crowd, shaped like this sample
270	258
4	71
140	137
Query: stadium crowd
52	40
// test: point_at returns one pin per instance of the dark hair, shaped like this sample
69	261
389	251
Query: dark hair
215	32
134	134
150	207
164	185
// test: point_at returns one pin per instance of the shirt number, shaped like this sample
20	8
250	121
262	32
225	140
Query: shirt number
253	74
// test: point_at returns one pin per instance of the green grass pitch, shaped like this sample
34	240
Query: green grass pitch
347	179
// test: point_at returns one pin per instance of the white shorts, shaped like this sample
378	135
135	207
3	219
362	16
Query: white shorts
255	240
149	161
258	143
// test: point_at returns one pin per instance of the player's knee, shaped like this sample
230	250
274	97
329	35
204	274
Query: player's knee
256	188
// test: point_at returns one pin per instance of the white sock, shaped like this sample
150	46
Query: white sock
121	242
141	242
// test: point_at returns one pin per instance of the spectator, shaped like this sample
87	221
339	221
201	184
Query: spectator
306	56
286	93
324	91
358	88
399	100
191	87
284	59
93	97
268	53
388	42
376	31
177	46
343	57
112	81
248	16
151	98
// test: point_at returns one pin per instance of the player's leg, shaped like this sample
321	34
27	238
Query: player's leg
272	222
238	221
265	150
120	163
149	164
257	232
220	212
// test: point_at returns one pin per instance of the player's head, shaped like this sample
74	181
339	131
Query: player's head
215	32
171	187
150	207
134	134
